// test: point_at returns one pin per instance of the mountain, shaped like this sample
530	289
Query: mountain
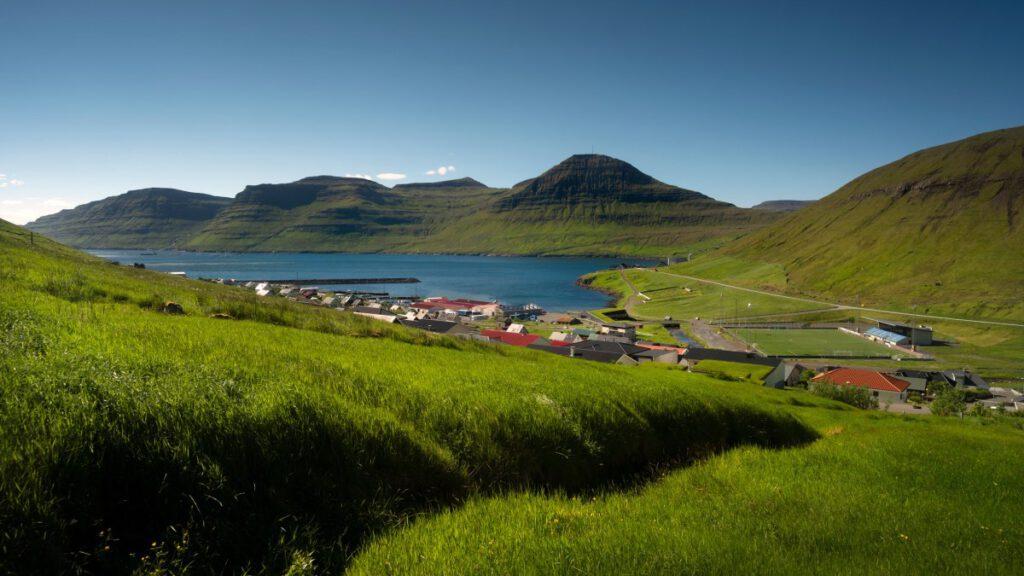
326	213
782	205
587	204
147	218
443	185
594	204
940	230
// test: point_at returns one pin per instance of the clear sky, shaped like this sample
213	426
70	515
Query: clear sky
744	101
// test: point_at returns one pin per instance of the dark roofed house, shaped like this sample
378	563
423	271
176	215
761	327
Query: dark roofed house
658	356
439	327
964	379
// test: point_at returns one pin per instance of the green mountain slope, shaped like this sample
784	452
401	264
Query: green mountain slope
594	204
940	230
588	204
290	438
148	218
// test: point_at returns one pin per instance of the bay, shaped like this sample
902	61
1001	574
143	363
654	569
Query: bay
549	282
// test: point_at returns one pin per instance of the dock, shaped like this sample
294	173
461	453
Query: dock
336	281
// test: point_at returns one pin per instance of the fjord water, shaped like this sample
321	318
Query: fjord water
549	282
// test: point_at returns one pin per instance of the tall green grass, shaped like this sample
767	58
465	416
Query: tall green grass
139	441
877	495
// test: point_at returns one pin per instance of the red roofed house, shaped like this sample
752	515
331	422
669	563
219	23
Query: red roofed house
882	386
511	338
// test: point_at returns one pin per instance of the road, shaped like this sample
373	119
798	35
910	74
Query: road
833	305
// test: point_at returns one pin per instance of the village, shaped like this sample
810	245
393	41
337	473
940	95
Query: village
608	339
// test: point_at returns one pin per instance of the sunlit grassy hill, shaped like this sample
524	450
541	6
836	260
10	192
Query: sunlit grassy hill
939	230
288	439
135	439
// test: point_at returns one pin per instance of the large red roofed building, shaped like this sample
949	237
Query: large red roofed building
881	386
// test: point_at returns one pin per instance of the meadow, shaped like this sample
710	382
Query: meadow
254	436
136	440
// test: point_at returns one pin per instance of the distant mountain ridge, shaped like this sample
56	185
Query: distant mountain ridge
588	204
145	218
782	205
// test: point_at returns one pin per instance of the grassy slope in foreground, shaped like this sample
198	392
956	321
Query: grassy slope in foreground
940	230
137	440
877	495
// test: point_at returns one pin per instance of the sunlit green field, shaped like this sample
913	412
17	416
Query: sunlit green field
996	351
295	440
810	342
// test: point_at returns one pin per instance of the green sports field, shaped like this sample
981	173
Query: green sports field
809	342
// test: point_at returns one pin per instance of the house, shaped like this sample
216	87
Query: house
918	380
916	335
656	356
513	338
592	355
785	374
963	379
438	327
516	329
883	387
611	338
376	313
528	311
565	337
627	331
558	318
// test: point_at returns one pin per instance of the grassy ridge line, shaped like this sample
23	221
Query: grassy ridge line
137	440
877	495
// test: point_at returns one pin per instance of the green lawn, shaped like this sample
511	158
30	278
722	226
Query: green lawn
810	342
297	440
876	495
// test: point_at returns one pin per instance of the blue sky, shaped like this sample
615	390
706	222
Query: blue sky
742	101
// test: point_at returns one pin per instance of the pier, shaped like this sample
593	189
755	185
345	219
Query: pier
338	281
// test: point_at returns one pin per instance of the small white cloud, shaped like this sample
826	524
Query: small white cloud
390	176
440	171
15	182
363	176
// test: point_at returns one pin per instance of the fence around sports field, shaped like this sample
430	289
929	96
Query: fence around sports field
793	340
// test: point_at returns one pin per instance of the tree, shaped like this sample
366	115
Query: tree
948	400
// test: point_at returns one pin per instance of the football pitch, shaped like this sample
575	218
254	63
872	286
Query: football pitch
810	342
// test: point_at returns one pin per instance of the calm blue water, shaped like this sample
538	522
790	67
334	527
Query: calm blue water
549	282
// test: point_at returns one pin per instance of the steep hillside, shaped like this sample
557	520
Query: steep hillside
585	205
940	230
147	218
